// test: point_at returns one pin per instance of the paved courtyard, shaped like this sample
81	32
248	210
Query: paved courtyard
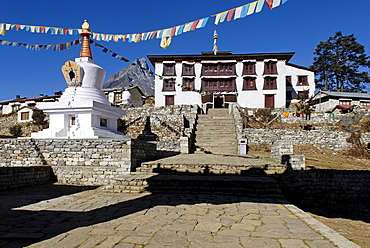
71	216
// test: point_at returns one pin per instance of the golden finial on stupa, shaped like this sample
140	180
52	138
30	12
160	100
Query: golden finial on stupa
85	33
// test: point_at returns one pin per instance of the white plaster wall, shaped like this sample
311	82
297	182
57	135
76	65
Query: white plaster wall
295	72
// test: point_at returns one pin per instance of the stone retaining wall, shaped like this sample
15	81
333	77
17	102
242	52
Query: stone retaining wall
19	177
327	185
320	138
168	123
78	161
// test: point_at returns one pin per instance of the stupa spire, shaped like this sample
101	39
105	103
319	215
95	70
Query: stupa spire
85	33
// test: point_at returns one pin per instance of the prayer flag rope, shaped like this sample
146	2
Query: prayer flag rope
56	47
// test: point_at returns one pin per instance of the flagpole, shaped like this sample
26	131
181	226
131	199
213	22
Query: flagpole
215	47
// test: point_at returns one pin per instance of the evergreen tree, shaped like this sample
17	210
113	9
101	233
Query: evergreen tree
341	64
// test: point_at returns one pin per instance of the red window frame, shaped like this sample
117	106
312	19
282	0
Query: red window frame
219	69
218	84
302	81
249	83
271	67
169	84
169	70
187	84
188	70
249	68
269	83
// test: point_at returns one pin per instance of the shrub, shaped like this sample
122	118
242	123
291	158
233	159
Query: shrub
16	130
39	118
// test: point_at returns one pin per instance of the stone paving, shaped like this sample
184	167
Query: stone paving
72	216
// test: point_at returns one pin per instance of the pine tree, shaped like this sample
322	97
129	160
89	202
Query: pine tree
341	64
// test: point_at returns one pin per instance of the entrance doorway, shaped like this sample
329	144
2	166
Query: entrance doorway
218	101
170	100
269	101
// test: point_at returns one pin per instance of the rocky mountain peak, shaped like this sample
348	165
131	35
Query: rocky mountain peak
133	75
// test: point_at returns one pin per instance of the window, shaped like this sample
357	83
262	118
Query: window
25	116
224	84
117	96
169	70
73	120
188	70
249	68
270	67
365	104
270	83
187	84
302	81
103	122
218	69
249	83
169	84
346	102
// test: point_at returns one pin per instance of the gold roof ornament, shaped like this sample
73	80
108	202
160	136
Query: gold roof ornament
85	33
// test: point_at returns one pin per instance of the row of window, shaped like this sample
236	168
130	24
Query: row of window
219	69
228	84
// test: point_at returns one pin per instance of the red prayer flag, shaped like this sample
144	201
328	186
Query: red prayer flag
230	15
269	3
194	26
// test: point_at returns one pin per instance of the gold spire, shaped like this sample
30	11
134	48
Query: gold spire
85	33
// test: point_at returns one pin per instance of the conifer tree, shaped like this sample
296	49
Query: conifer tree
341	64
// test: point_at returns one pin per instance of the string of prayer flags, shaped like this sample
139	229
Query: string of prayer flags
38	29
115	55
275	3
163	34
57	47
243	11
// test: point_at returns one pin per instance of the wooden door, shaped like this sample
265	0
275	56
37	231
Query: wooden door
269	101
170	100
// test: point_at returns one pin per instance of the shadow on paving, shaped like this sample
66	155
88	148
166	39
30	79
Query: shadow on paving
20	228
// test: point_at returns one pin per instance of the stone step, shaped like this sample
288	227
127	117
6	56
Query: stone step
248	185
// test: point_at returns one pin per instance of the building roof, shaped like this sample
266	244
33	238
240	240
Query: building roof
345	94
33	108
220	56
37	99
123	88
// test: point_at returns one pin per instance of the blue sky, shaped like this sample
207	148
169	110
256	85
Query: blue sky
297	26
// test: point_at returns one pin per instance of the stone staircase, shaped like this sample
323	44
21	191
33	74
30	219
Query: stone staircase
215	133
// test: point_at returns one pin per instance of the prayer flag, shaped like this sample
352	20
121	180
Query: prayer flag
194	25
238	11
269	3
259	5
2	29
244	11
252	7
230	15
223	16
283	1
276	3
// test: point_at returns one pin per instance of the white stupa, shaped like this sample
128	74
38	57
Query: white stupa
83	111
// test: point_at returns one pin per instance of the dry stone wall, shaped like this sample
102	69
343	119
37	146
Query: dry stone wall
168	123
326	185
78	161
320	138
18	177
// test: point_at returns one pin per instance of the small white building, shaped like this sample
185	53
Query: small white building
327	101
132	96
213	81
